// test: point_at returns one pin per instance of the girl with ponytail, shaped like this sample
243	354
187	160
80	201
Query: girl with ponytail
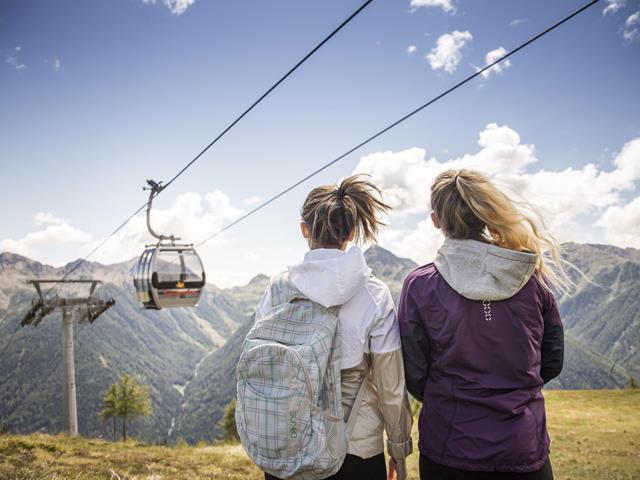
481	334
336	276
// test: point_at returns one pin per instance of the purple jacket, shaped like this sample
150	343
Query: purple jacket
480	337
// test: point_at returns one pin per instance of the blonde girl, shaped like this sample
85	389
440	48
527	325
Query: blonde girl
481	334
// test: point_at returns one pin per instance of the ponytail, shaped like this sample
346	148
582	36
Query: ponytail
333	212
470	206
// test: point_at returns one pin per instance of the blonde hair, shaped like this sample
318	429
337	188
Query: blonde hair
332	212
470	206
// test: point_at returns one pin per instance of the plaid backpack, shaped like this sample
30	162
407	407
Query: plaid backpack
289	405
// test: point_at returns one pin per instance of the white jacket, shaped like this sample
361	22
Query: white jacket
370	338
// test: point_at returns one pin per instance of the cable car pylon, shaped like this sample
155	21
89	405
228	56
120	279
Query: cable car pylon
168	274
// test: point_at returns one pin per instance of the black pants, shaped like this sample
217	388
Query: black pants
434	471
355	468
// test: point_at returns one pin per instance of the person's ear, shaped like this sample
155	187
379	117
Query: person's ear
304	228
435	220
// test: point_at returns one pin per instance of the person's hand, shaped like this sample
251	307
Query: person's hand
392	469
397	467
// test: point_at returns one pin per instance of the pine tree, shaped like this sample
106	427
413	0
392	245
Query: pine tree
110	407
227	424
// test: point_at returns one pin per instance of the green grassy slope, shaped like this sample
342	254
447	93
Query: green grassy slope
595	435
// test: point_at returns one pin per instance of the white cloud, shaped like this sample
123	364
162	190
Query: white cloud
57	64
566	197
613	6
491	57
446	54
47	218
411	49
177	7
630	35
419	244
631	32
516	22
62	233
13	61
446	5
15	246
252	200
632	20
192	217
621	224
56	231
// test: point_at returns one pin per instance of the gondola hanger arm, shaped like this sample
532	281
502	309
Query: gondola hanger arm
154	189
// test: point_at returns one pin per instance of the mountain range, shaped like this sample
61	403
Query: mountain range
187	357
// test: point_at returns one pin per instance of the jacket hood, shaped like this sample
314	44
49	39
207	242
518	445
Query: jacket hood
481	271
330	276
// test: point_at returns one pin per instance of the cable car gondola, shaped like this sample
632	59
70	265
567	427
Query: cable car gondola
168	274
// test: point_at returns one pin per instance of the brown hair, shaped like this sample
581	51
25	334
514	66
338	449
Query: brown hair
470	206
332	212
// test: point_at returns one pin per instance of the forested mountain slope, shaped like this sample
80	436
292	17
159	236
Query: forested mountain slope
187	357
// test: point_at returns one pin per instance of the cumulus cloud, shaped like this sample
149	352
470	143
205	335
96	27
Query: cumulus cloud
632	20
621	224
192	217
613	6
491	57
446	5
631	30
446	55
563	195
47	218
411	49
13	61
53	231
177	7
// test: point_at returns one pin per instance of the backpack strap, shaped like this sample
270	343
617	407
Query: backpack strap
281	291
357	403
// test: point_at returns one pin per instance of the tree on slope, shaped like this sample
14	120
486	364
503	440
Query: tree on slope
127	399
110	407
134	401
227	423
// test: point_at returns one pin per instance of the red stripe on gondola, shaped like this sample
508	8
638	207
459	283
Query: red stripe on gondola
178	293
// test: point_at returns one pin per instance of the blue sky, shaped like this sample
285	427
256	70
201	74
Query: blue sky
98	96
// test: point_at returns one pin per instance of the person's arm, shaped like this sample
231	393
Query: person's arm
552	348
415	343
387	374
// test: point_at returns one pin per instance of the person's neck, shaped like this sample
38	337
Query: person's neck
343	247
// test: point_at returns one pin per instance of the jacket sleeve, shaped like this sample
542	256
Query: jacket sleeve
415	343
552	348
387	374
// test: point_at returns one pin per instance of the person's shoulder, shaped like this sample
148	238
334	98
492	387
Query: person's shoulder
378	295
541	290
377	289
422	275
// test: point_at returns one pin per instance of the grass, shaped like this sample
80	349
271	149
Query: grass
595	435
